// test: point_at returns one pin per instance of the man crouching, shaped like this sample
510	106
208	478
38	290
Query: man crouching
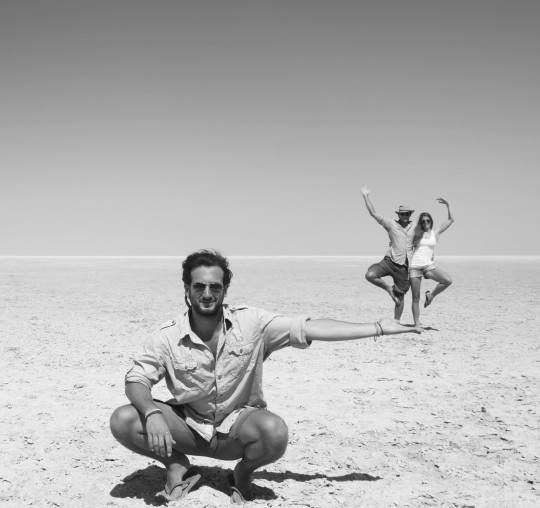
212	361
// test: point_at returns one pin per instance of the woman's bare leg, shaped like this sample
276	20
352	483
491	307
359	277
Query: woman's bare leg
444	281
416	284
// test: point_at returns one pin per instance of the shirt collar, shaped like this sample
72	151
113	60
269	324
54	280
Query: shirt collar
403	227
227	317
185	326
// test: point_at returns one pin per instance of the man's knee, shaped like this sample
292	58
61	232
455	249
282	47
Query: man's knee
371	275
276	429
416	297
275	434
122	420
271	431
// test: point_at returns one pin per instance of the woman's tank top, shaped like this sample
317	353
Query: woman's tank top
425	252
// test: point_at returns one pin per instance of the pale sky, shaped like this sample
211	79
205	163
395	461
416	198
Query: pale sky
159	127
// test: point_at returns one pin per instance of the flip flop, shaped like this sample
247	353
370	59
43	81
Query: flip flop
236	496
186	485
426	303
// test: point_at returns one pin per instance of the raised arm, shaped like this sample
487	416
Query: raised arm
332	330
369	204
448	222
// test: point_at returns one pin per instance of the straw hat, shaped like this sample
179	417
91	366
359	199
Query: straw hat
404	209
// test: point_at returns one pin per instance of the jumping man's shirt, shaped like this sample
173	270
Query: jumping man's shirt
212	390
400	251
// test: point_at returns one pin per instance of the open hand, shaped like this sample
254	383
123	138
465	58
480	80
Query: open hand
443	201
391	327
365	190
160	440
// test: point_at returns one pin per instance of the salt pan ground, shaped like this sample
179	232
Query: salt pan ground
449	418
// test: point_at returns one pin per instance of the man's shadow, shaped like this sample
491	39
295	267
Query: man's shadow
146	483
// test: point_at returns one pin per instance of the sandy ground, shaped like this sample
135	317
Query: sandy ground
450	418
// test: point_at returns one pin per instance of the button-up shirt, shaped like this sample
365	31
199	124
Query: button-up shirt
213	390
400	251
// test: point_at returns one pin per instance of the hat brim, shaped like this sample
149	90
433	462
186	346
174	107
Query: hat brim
405	211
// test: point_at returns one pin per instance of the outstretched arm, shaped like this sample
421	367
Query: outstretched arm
448	222
332	330
369	204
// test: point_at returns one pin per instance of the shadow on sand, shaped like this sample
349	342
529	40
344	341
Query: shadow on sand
146	483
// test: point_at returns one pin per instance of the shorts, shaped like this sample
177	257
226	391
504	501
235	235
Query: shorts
399	274
420	271
221	446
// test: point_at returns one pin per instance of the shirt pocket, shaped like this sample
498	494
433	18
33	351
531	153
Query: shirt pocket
239	359
188	374
241	350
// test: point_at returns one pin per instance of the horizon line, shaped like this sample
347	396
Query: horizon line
256	256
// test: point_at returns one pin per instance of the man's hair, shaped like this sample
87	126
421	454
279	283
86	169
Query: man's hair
206	257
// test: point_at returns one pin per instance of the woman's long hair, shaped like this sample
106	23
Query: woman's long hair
419	230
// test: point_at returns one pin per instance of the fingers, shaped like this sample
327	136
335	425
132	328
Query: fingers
162	447
156	443
168	444
150	438
161	443
160	440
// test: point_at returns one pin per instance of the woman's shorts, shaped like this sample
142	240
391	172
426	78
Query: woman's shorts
420	271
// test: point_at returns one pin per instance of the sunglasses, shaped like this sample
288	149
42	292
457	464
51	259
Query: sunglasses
405	214
215	287
426	221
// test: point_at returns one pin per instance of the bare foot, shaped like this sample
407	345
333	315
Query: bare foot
395	299
429	299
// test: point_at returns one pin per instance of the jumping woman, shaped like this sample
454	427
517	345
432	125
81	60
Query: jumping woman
422	263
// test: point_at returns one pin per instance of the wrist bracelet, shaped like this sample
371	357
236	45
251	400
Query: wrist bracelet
152	412
378	329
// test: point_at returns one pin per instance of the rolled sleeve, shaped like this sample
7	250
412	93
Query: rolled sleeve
148	366
297	332
280	331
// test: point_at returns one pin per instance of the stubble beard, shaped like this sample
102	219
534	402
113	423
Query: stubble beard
206	312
